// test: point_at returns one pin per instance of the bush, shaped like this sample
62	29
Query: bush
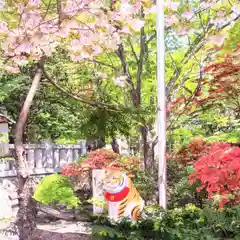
145	183
56	189
188	154
184	223
103	158
179	191
219	173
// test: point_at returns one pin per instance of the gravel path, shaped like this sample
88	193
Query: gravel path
64	226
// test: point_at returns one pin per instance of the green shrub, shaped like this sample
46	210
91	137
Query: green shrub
54	189
180	191
183	223
145	184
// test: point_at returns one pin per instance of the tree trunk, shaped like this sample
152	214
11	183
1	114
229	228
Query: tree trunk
27	210
94	143
148	149
115	146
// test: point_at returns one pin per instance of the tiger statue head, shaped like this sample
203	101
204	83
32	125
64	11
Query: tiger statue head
113	181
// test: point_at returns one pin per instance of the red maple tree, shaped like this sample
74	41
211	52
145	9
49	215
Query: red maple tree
220	82
224	74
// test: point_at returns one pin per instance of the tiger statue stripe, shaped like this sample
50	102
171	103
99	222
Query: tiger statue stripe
136	213
123	198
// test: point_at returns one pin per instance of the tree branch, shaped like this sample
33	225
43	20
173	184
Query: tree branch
151	37
194	48
133	51
102	63
173	79
82	98
140	65
184	79
78	98
121	55
189	100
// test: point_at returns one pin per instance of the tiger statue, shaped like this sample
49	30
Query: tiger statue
123	199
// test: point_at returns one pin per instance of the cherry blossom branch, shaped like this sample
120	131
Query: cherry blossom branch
59	11
48	8
233	20
9	119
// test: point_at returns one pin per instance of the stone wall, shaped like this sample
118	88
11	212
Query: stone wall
9	196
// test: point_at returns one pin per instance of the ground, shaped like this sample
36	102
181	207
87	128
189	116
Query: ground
58	227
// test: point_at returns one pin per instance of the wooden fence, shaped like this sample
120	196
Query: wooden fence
44	158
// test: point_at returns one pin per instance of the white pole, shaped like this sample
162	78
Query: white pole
161	119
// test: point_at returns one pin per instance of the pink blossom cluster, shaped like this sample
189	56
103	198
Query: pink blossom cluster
85	27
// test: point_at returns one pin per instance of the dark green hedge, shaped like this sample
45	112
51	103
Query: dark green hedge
189	223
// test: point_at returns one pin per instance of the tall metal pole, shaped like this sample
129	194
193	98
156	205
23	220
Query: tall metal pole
161	113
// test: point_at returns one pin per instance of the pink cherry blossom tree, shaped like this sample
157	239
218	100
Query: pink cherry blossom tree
30	32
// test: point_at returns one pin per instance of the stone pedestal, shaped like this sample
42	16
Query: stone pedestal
5	204
97	175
